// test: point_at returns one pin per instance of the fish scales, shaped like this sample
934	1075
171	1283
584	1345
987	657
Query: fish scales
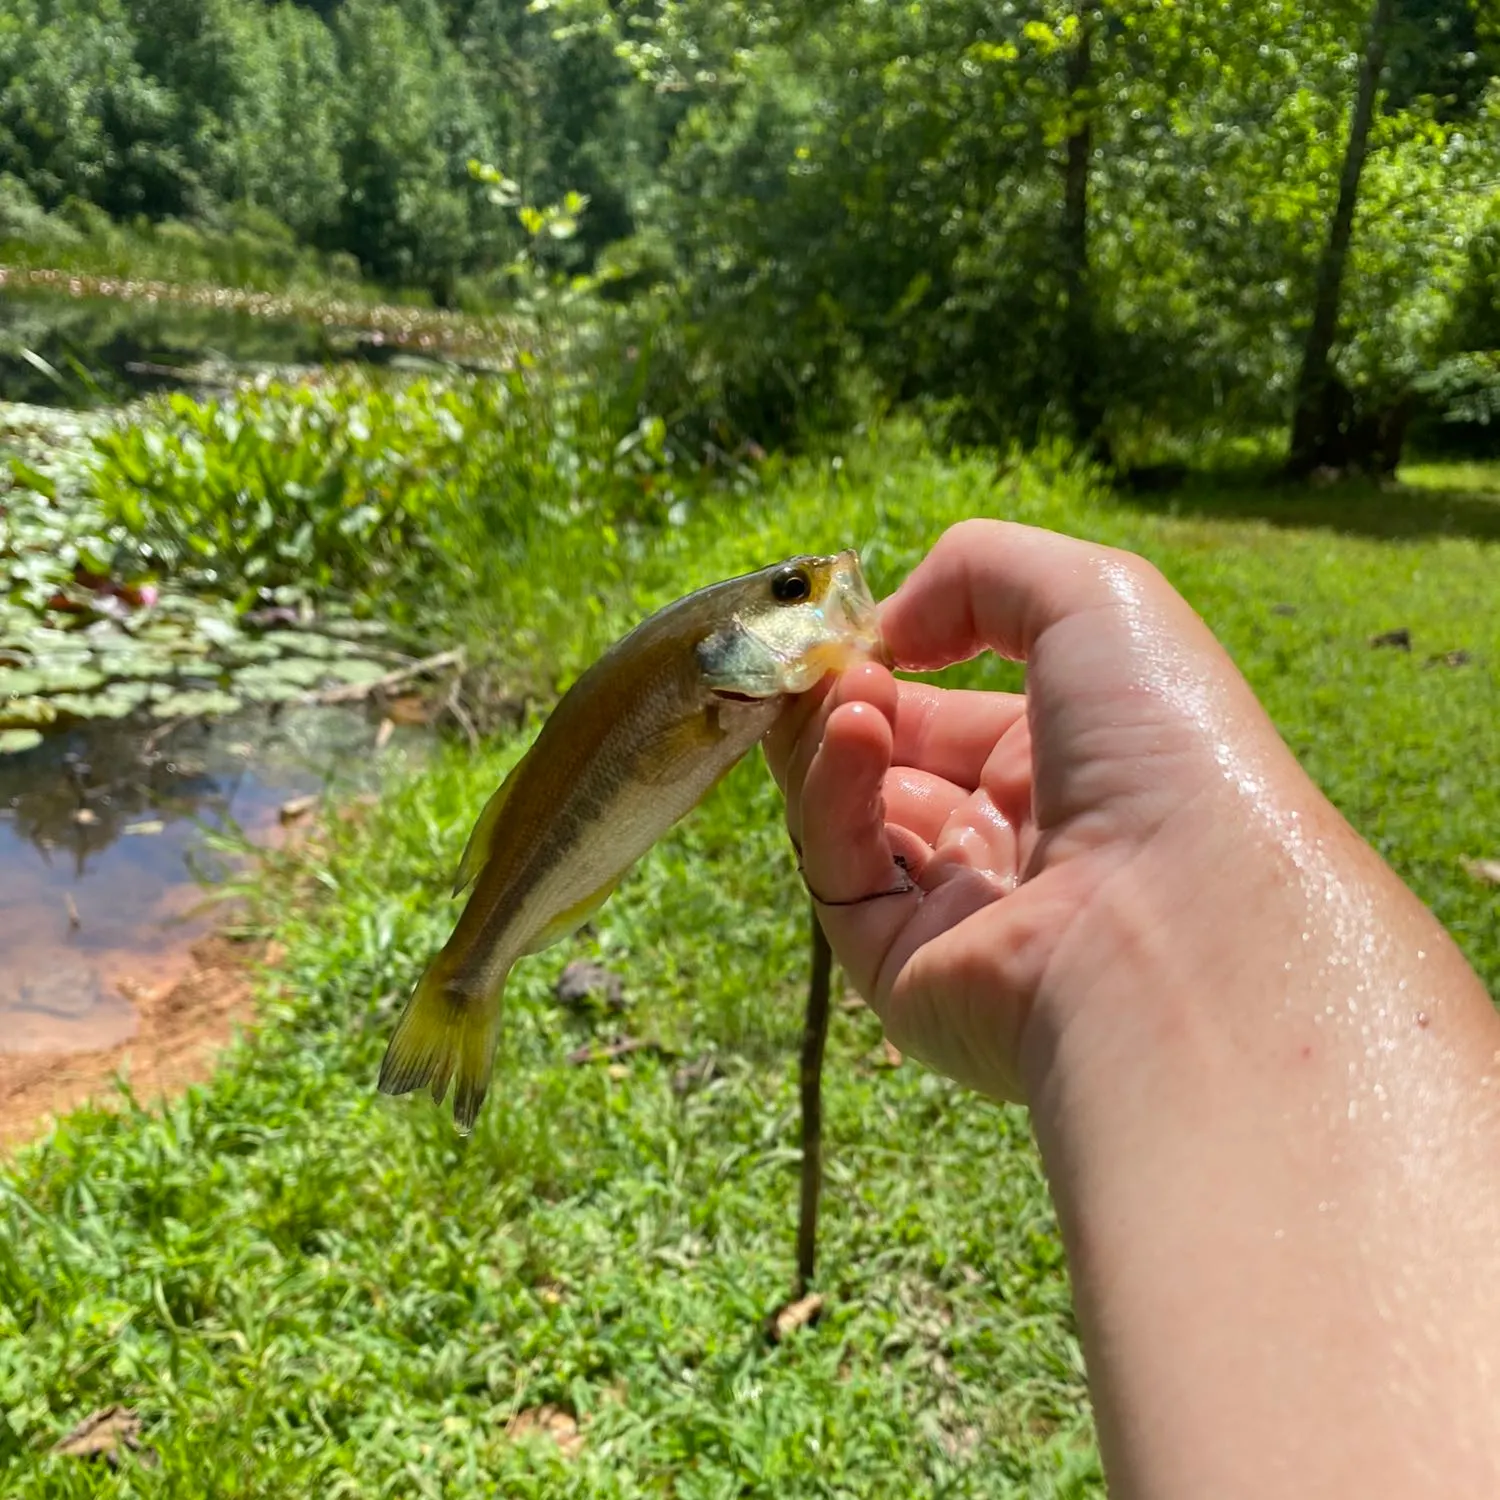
632	747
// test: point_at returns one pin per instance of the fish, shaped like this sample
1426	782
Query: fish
633	746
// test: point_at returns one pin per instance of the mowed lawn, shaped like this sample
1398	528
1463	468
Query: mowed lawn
303	1289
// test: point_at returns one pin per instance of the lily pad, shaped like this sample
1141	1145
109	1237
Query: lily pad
267	684
194	704
137	663
114	702
60	645
16	682
356	669
13	741
218	631
71	679
244	650
300	670
164	632
352	629
304	643
26	713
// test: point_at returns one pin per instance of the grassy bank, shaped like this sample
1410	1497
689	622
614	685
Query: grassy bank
299	1287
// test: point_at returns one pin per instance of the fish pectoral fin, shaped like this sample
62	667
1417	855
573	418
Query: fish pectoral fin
477	851
663	755
443	1036
566	923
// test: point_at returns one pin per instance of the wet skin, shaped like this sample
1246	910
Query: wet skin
1262	1076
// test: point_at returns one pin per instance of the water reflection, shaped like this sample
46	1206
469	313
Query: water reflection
103	851
113	348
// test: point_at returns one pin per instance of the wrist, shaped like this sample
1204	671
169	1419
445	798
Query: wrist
1267	1096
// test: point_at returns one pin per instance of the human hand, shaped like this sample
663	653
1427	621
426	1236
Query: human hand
1262	1076
1061	842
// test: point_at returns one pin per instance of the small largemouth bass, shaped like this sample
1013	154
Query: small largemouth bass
632	747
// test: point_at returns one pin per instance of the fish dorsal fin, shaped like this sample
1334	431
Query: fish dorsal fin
477	850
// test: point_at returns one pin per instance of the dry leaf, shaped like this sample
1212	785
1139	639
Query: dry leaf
697	1074
298	807
411	708
799	1314
1483	869
583	983
890	1054
549	1421
106	1434
1459	658
384	733
1400	640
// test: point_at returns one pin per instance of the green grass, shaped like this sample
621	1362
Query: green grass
303	1288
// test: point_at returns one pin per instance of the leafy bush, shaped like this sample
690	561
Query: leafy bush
336	486
360	486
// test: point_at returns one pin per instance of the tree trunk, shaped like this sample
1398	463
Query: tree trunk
1079	353
1318	418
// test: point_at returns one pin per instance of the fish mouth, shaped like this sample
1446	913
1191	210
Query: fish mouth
728	695
852	606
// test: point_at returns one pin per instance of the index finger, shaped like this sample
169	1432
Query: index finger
997	585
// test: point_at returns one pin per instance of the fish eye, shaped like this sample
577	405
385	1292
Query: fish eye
791	585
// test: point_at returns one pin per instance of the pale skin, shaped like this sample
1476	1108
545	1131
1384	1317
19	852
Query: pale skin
1264	1081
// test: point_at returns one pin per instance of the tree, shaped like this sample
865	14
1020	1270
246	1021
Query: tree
1322	432
410	210
1080	333
286	123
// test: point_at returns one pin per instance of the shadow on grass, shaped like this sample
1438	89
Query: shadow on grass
1461	500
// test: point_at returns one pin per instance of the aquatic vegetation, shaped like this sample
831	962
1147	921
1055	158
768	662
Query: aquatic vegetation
87	632
344	485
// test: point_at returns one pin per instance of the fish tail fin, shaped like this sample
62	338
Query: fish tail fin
444	1036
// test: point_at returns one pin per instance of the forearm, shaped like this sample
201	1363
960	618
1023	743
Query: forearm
1277	1174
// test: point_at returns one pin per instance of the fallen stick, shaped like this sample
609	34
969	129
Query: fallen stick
611	1051
355	692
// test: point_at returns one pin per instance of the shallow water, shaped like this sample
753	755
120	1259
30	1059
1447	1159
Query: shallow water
106	843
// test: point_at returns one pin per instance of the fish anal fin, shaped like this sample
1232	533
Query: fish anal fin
566	923
477	851
444	1036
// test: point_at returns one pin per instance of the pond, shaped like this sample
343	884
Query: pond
109	834
75	340
147	737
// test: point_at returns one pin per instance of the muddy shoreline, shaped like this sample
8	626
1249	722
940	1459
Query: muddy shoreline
188	1008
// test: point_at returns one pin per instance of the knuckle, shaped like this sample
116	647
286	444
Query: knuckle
1128	574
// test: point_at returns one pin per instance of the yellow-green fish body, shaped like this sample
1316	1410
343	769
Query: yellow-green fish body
634	745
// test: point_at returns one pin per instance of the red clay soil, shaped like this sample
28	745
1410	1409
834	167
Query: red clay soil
185	1021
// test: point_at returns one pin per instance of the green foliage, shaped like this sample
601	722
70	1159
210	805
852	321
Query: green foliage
887	191
1083	218
336	486
85	632
246	248
202	112
407	204
371	489
301	1287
